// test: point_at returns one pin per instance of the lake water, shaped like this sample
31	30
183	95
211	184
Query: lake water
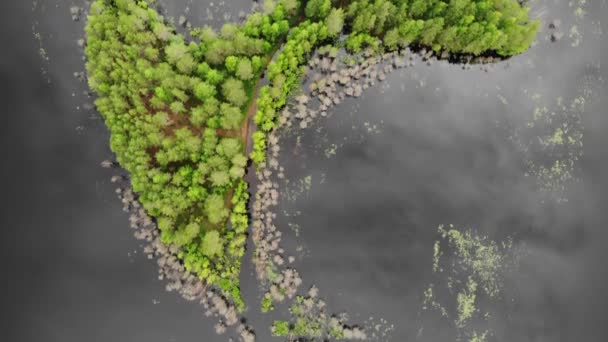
431	145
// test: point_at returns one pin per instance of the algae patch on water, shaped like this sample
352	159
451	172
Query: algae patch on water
468	271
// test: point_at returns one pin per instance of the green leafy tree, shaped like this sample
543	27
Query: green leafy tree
335	22
214	76
229	147
231	116
212	244
257	63
207	34
209	142
178	107
231	63
236	172
215	209
229	30
234	92
186	65
204	91
176	51
280	328
161	119
219	179
218	50
161	31
290	6
317	9
239	160
186	234
244	70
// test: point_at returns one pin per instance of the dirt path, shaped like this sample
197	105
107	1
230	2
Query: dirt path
248	126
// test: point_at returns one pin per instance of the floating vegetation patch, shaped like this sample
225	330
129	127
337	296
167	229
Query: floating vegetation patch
331	150
378	329
579	11
297	188
468	268
359	135
553	145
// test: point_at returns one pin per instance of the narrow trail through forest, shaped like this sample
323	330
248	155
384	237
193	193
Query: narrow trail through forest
248	127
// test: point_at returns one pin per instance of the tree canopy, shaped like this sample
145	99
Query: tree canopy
162	99
456	26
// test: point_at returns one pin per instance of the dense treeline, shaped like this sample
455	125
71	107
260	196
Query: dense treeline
176	109
455	26
323	23
284	75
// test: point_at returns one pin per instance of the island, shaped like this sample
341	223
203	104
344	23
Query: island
189	118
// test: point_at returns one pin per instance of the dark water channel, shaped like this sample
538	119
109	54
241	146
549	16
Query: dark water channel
431	145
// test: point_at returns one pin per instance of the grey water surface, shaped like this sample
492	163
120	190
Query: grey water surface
441	152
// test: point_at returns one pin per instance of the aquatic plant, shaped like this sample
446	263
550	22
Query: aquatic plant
470	269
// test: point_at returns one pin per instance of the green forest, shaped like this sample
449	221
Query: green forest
456	26
178	109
